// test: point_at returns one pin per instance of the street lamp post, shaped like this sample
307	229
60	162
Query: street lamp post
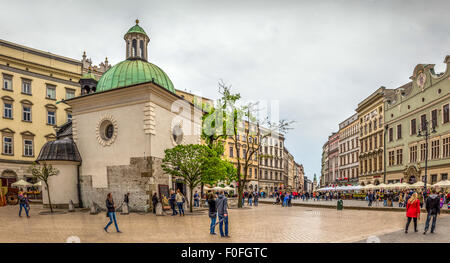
426	134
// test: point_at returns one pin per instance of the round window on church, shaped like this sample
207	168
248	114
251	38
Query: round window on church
107	130
177	134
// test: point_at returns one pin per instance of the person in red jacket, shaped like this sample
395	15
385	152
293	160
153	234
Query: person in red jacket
412	211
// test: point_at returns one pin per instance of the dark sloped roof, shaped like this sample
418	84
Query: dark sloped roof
59	150
64	130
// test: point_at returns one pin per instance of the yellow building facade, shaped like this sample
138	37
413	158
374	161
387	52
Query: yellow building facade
32	84
371	137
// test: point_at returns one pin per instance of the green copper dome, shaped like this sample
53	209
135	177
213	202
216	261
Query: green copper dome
136	29
131	72
89	75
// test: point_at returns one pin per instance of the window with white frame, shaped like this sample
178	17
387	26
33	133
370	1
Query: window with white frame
26	110
51	119
70	93
26	86
7	110
7	145
7	82
28	147
51	92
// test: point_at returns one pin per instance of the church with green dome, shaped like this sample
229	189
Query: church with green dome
121	126
135	69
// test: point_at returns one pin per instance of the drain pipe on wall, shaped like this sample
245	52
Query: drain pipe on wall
80	202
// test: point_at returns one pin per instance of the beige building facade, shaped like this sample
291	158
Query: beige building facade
33	82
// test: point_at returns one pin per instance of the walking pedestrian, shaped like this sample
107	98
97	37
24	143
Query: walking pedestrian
256	198
370	196
23	204
180	201
111	213
433	209
250	197
412	211
212	213
222	212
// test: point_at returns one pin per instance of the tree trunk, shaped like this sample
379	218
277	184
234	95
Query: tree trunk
240	190
201	191
190	198
49	200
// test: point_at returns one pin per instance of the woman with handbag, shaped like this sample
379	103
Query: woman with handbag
412	211
212	213
111	213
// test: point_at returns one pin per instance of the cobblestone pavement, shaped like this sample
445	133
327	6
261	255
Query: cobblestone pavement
441	235
265	223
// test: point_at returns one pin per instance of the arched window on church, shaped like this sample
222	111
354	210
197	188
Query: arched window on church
134	48
141	45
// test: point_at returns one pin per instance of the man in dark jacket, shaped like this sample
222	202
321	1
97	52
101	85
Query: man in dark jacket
222	212
172	199
433	209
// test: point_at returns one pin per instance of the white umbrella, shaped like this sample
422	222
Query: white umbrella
228	188
444	183
382	186
417	185
369	186
38	183
21	183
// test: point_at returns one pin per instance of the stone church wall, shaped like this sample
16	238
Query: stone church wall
140	178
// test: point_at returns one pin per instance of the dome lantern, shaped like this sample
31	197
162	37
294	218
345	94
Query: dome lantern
136	43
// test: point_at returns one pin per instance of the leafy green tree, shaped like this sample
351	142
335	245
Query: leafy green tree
238	121
43	173
196	164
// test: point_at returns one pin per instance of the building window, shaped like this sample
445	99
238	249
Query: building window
413	127
391	134
400	156
391	158
69	116
435	149
423	120
7	82
231	151
399	132
434	178
444	177
380	163
7	145
26	116
51	120
446	147
51	92
70	94
26	86
433	118
7	110
413	154
422	152
27	147
445	113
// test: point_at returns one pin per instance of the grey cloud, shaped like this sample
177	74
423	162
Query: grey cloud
319	59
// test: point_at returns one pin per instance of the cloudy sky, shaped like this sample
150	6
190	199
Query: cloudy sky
317	58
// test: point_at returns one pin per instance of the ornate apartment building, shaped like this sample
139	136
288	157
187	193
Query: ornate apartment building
349	151
32	84
371	137
324	180
333	158
413	108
